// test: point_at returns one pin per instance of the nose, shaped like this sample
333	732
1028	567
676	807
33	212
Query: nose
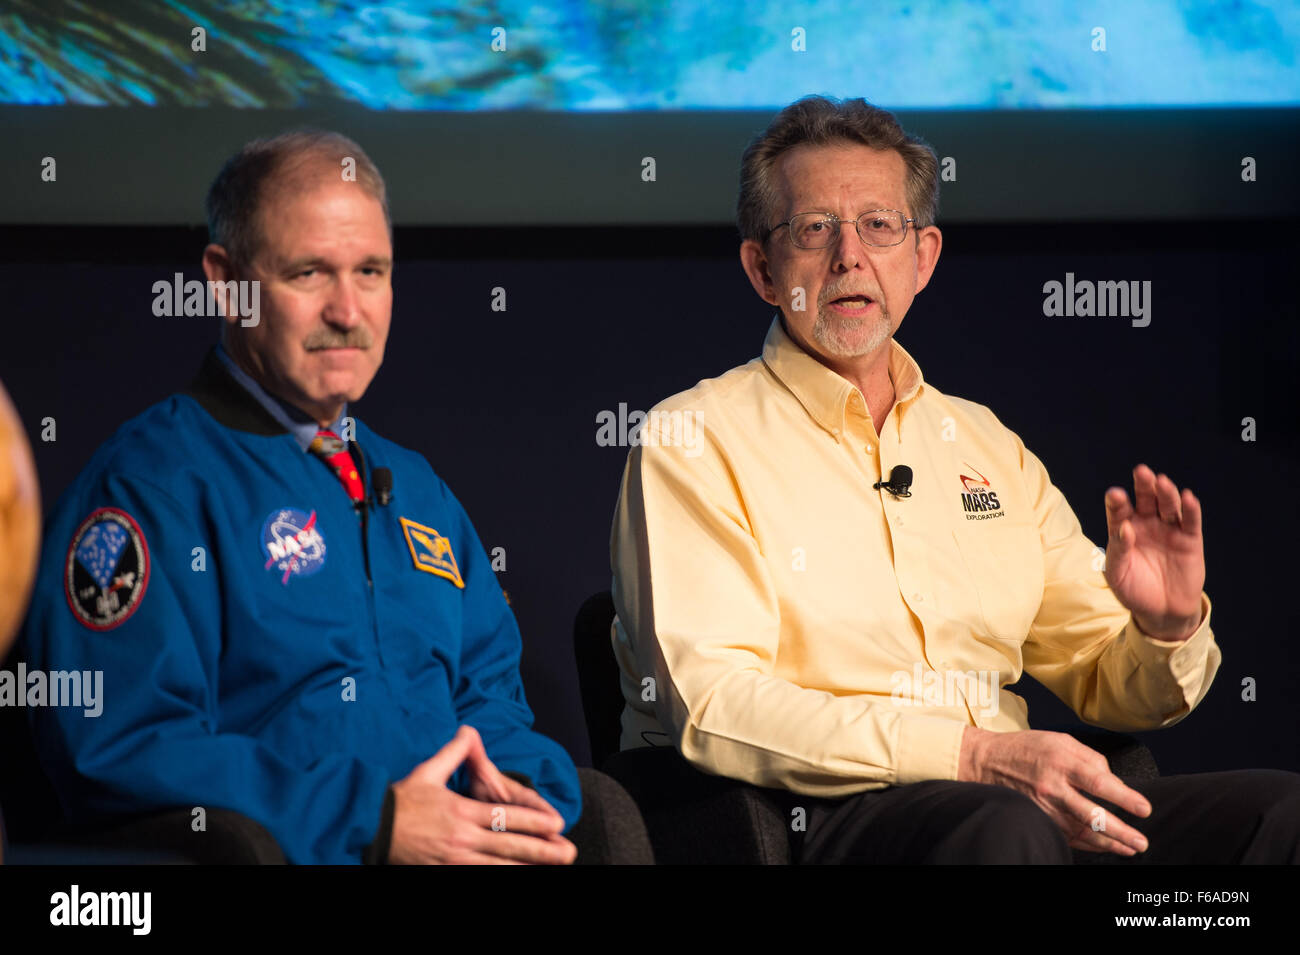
343	307
848	251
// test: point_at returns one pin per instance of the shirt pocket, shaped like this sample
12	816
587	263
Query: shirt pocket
1004	562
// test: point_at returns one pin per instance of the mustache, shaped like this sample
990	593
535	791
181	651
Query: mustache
358	337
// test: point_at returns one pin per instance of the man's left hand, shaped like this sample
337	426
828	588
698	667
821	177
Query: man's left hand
489	784
1155	560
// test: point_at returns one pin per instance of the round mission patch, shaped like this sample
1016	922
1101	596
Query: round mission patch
107	569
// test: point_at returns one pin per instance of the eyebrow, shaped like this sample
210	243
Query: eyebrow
316	262
867	208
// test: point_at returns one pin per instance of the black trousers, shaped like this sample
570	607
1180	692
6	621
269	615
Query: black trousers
1247	816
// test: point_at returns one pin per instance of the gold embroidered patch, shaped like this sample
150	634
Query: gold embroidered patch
431	552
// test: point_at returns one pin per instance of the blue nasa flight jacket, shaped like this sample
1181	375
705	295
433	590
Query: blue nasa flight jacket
306	657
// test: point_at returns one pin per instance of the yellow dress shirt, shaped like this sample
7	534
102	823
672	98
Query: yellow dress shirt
782	623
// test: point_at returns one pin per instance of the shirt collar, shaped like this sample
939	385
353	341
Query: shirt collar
300	424
823	392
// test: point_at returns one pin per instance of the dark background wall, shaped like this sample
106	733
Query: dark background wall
139	165
504	405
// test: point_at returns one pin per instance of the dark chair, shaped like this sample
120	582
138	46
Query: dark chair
228	838
610	831
694	817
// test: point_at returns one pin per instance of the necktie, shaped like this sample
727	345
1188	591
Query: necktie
330	448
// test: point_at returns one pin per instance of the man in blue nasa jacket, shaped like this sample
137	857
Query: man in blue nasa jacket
294	617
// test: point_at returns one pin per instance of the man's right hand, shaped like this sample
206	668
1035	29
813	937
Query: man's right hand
1055	770
434	826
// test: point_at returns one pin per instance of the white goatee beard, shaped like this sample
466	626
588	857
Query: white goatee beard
835	333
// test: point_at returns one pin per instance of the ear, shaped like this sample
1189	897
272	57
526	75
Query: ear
218	268
929	241
755	263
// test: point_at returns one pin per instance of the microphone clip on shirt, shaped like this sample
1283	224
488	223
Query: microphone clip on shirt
382	482
900	479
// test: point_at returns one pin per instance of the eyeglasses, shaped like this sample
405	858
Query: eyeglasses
816	230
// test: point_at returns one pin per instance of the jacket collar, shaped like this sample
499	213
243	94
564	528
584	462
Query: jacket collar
225	399
300	424
224	390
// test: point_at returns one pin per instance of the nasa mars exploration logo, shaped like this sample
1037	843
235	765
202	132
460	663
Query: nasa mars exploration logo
107	569
978	499
292	543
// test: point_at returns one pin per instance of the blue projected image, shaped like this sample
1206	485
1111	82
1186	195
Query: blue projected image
648	55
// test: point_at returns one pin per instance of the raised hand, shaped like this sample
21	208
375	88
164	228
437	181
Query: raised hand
1155	558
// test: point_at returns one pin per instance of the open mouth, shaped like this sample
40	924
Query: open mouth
852	303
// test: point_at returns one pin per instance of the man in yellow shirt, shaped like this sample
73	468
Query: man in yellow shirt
798	611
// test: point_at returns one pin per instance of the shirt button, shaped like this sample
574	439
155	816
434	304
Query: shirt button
919	598
869	449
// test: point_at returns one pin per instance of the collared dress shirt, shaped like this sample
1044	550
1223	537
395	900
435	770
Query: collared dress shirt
781	622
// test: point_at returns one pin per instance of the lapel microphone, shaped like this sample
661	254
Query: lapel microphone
900	479
382	481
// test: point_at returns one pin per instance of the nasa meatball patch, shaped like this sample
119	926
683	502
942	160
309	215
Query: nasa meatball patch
293	543
107	569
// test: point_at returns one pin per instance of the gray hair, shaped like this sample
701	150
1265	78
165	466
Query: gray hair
822	121
262	167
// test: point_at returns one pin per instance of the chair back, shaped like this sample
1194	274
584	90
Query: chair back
598	676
